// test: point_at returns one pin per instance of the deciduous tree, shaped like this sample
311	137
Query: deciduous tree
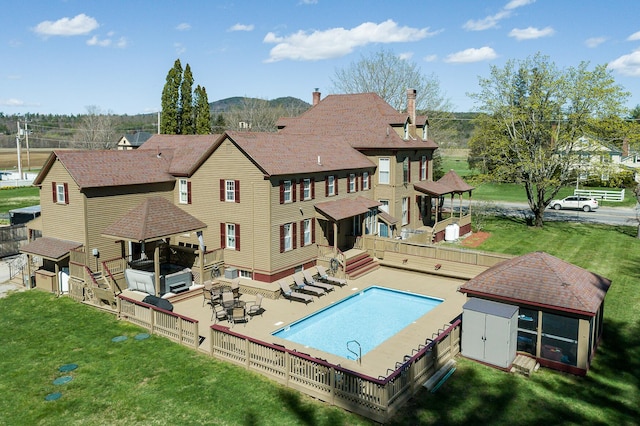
533	114
96	130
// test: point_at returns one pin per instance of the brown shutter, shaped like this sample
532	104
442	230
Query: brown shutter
237	191
66	193
335	184
409	211
293	191
237	236
369	181
188	192
302	233
54	191
222	190
362	181
281	192
313	189
418	204
302	189
326	186
294	235
313	230
223	237
281	238
348	183
409	170
356	178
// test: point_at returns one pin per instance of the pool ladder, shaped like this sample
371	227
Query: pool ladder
357	354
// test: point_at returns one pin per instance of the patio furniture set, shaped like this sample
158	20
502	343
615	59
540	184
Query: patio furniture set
226	304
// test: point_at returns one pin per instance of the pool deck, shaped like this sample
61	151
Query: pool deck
377	362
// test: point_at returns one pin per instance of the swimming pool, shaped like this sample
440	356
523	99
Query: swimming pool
370	317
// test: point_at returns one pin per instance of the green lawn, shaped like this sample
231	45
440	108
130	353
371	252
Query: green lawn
15	198
155	381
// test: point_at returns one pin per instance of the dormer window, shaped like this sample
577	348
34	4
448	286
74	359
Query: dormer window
406	129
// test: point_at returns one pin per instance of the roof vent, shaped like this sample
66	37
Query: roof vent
319	162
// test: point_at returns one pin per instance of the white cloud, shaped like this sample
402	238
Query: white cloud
634	36
627	64
336	42
472	55
241	27
78	25
122	43
12	102
405	56
431	58
183	26
180	49
95	41
492	21
309	2
531	33
594	41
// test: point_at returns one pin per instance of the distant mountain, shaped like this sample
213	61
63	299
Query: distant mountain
288	102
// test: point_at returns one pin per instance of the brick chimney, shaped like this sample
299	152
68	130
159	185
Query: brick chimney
411	104
316	97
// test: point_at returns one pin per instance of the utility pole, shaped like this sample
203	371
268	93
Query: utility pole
26	136
18	149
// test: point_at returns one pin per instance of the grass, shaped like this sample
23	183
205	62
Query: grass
155	381
15	198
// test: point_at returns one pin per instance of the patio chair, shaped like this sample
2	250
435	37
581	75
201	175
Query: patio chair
287	293
227	299
206	296
301	286
324	276
235	288
239	314
308	278
219	313
256	307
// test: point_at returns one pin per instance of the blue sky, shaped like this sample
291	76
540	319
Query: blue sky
60	56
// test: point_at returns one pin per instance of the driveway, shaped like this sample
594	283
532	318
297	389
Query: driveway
5	286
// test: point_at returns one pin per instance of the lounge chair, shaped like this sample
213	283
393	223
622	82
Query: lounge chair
324	276
301	286
308	278
256	307
287	293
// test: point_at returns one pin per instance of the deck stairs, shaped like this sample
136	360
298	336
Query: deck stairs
358	263
524	365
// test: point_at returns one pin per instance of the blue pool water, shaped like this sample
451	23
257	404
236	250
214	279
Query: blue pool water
370	317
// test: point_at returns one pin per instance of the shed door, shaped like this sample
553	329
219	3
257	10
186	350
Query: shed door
473	338
496	350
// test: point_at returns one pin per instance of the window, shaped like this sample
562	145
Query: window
287	237
425	132
356	225
370	221
244	273
559	338
527	330
230	236
184	187
307	232
287	191
306	189
383	230
405	210
365	181
385	205
423	167
406	130
230	191
384	171
353	187
331	186
60	193
406	171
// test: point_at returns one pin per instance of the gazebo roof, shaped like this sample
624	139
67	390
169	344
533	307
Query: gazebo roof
153	219
455	182
540	279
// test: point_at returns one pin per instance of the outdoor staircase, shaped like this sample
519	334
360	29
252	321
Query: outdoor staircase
359	264
524	365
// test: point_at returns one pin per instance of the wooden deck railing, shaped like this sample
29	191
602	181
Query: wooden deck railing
179	328
375	398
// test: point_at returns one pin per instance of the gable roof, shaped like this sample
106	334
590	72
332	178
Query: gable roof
346	207
540	279
188	152
363	120
135	139
153	219
50	248
97	168
288	153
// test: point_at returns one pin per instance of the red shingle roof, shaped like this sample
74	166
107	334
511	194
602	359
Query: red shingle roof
363	120
540	279
346	207
50	248
455	182
188	152
283	154
153	219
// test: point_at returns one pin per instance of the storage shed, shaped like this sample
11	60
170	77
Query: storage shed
490	332
560	307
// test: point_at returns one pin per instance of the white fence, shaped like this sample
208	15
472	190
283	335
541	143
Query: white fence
601	195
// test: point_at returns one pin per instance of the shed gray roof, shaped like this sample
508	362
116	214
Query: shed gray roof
490	307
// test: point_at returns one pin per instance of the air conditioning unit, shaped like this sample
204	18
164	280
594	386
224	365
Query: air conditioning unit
230	273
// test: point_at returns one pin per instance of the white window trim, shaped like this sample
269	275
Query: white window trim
384	171
365	181
288	236
287	198
307	232
352	182
184	191
423	168
231	236
332	185
60	198
405	210
230	191
306	189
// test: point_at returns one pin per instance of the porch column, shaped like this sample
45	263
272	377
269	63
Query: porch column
335	239
28	271
56	268
156	268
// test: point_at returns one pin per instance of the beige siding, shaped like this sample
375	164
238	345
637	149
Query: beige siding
251	213
63	221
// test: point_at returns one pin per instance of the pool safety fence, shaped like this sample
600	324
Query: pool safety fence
375	398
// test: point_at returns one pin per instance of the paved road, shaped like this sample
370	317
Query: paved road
604	215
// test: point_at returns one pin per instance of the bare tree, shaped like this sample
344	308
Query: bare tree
97	130
254	114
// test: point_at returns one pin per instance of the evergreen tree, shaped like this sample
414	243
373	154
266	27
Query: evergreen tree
186	123
219	125
170	101
202	112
